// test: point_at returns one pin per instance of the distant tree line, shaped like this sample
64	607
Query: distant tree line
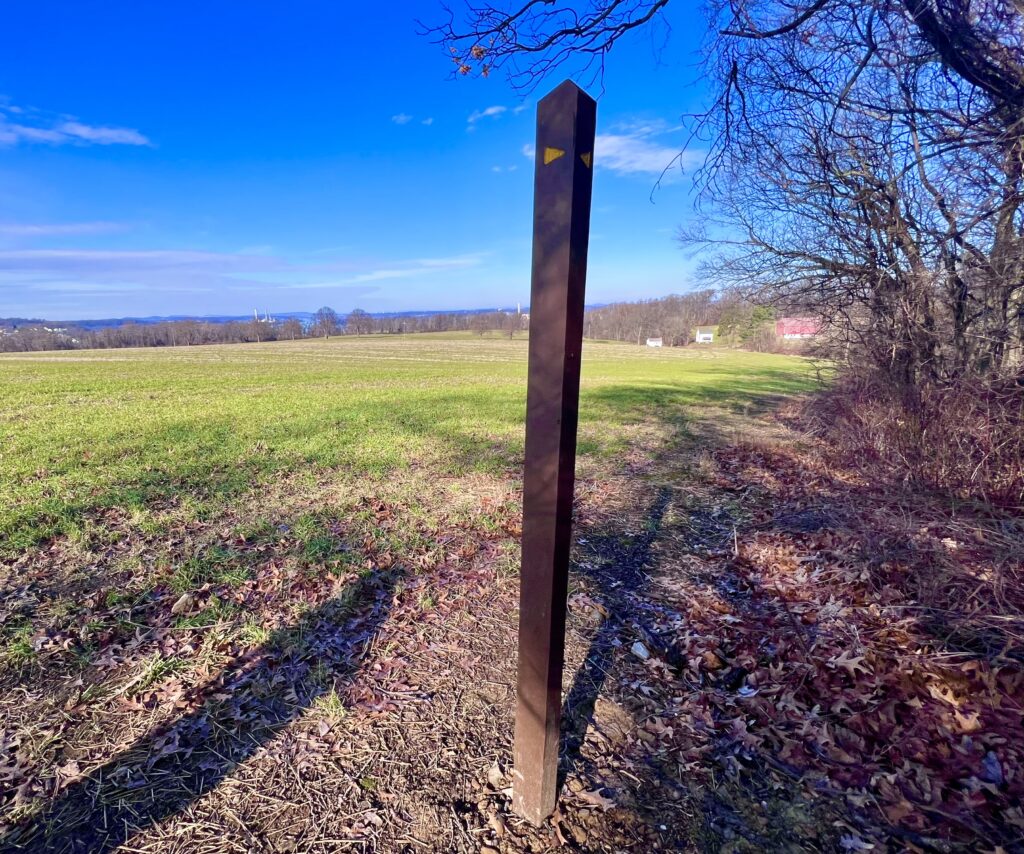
358	322
27	335
176	333
673	319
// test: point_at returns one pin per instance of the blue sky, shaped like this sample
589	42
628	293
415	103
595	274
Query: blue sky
212	158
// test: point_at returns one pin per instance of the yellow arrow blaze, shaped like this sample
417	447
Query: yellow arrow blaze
586	159
552	154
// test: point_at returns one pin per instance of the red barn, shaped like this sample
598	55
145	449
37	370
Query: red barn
791	328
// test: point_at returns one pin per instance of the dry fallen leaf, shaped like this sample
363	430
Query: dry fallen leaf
495	777
595	798
183	604
850	663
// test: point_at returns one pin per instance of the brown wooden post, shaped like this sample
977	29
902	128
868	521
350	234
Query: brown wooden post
561	231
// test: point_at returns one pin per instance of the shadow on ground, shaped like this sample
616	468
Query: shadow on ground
253	700
161	774
771	507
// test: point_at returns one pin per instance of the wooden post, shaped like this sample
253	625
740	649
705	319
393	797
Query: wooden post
561	231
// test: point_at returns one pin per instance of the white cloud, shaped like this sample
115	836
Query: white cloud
63	131
644	127
471	259
36	277
417	267
401	119
529	152
59	229
638	148
406	269
12	134
107	283
107	261
520	108
630	155
103	135
381	275
487	113
428	121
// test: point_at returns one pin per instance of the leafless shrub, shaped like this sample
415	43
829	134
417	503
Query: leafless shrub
965	438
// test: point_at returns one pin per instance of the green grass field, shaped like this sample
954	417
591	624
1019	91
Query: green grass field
84	432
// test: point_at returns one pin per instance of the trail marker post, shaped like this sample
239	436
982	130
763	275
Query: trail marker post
563	179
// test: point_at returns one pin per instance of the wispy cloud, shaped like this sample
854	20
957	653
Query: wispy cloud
529	152
112	262
641	148
59	229
32	126
105	263
102	135
417	267
77	283
96	283
405	118
486	113
471	259
631	155
38	274
99	283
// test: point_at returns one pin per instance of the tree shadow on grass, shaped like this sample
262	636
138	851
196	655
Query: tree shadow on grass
167	770
252	700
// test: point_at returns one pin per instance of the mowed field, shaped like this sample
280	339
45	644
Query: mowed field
262	597
130	430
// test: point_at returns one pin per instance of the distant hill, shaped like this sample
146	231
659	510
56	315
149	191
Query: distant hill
106	323
10	322
305	316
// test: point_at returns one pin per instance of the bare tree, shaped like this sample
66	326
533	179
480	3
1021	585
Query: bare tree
359	322
532	38
291	328
325	322
671	318
255	330
867	164
865	160
511	322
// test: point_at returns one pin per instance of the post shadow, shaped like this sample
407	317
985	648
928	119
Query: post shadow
166	770
622	576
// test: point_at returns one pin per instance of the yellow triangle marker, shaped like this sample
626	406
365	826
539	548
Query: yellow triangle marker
586	159
552	154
